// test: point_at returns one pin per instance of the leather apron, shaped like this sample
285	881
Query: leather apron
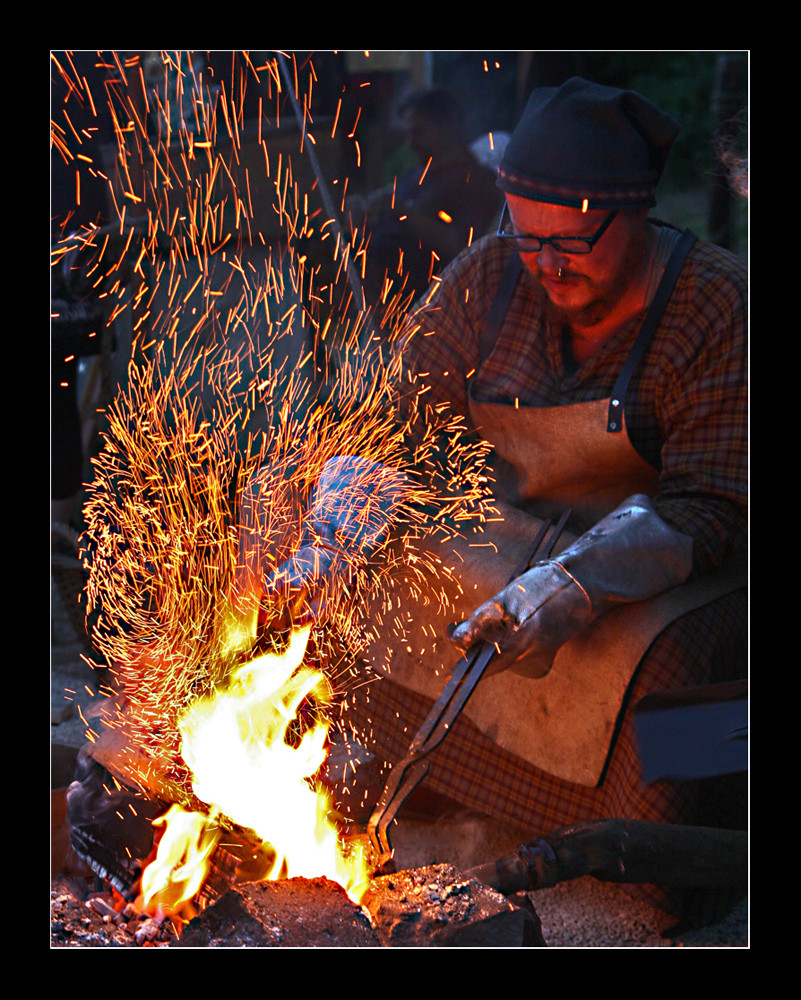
549	460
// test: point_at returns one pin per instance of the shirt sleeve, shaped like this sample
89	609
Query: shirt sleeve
441	343
704	415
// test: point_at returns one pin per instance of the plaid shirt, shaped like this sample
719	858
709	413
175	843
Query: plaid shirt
686	408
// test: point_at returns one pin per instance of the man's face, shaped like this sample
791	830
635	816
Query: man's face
591	285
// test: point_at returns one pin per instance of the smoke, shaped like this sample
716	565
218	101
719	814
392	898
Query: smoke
111	828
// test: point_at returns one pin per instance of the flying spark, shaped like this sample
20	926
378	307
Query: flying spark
254	362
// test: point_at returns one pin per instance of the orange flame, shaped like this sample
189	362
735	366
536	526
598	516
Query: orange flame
245	767
179	870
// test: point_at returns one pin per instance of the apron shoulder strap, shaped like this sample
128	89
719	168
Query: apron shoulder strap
505	291
497	311
673	268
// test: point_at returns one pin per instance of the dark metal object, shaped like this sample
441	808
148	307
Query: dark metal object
623	851
695	733
407	774
111	827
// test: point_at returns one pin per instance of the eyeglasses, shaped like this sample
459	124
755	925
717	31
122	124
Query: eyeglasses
562	244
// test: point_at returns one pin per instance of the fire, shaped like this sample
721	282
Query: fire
174	878
249	766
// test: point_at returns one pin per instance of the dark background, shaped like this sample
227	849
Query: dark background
706	91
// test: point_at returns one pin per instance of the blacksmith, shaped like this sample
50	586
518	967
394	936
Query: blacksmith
602	353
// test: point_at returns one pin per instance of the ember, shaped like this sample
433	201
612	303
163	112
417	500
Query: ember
431	907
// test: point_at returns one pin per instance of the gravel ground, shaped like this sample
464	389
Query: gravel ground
582	913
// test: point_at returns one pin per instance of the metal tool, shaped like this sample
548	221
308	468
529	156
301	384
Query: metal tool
624	851
407	774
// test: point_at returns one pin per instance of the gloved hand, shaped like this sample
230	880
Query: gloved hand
630	555
351	514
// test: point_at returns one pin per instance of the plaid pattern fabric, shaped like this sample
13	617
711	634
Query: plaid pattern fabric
686	411
686	414
705	646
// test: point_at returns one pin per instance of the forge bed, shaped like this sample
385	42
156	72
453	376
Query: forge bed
583	913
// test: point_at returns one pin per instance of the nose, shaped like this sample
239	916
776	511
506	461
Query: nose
550	260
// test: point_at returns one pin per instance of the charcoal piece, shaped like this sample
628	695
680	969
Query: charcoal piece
437	907
290	913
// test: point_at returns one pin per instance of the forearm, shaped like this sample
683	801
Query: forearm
630	555
718	528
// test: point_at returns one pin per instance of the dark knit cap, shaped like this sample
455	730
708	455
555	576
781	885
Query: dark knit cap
586	142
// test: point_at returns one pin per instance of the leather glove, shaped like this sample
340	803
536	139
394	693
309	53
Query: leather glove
630	555
351	514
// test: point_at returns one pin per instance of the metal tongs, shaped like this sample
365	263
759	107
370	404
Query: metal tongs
407	774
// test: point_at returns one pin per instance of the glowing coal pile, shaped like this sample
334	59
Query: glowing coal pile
431	907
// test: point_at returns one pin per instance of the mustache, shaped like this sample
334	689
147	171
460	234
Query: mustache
569	272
